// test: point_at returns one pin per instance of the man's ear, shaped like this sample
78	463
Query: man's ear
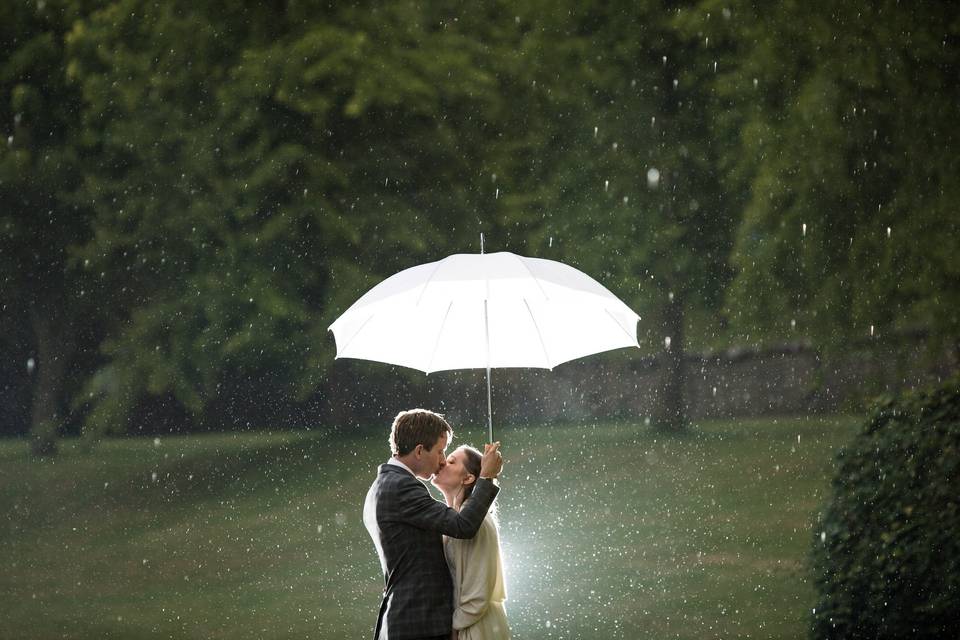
418	450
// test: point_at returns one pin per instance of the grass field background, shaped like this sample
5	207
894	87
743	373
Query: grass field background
609	531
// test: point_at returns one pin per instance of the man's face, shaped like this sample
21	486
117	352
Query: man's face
434	459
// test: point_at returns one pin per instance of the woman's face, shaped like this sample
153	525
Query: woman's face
454	474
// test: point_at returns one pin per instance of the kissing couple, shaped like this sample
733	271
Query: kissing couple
441	562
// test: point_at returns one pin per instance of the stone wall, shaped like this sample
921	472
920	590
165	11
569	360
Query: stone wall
791	379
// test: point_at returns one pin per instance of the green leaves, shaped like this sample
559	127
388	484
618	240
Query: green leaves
842	200
207	185
887	553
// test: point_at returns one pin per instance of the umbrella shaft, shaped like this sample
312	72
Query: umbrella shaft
486	331
489	407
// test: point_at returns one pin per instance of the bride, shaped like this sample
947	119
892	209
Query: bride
475	565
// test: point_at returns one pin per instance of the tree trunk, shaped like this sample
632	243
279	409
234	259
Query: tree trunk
55	345
672	412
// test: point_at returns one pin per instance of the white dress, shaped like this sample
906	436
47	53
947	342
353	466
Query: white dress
478	587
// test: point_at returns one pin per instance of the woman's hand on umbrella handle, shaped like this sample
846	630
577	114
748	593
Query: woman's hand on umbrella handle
492	461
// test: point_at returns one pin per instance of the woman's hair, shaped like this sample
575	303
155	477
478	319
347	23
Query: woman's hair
417	426
471	462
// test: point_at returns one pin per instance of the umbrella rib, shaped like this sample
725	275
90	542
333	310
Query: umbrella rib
620	326
354	336
427	283
539	335
436	344
539	286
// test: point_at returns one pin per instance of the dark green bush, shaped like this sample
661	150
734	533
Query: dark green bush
886	554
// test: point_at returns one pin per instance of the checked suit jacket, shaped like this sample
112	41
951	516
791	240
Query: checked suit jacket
407	526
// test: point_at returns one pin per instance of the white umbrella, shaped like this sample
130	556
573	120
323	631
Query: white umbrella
481	311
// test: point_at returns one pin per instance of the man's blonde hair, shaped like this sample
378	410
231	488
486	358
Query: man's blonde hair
417	426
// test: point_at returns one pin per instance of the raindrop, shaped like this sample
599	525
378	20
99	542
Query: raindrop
871	331
755	83
497	195
664	60
9	141
551	242
804	229
653	177
670	296
595	130
606	185
653	121
666	342
625	199
156	442
726	13
615	145
714	392
714	66
675	83
888	232
31	365
793	323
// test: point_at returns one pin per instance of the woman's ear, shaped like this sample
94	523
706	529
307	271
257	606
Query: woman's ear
469	480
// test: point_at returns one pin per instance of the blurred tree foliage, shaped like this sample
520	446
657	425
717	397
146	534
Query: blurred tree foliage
845	115
193	191
256	169
635	194
45	300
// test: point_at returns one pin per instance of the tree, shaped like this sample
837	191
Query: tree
847	145
249	186
41	219
637	197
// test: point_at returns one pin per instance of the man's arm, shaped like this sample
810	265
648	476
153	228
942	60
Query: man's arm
415	506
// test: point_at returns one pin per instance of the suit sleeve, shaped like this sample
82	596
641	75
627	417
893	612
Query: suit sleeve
417	507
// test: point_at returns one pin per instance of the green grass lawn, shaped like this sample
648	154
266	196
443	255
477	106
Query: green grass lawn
608	532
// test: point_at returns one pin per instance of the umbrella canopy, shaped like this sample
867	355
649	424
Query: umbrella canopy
475	311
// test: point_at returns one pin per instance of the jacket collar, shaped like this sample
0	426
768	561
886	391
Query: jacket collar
394	462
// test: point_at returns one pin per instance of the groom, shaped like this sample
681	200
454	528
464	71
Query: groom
407	526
